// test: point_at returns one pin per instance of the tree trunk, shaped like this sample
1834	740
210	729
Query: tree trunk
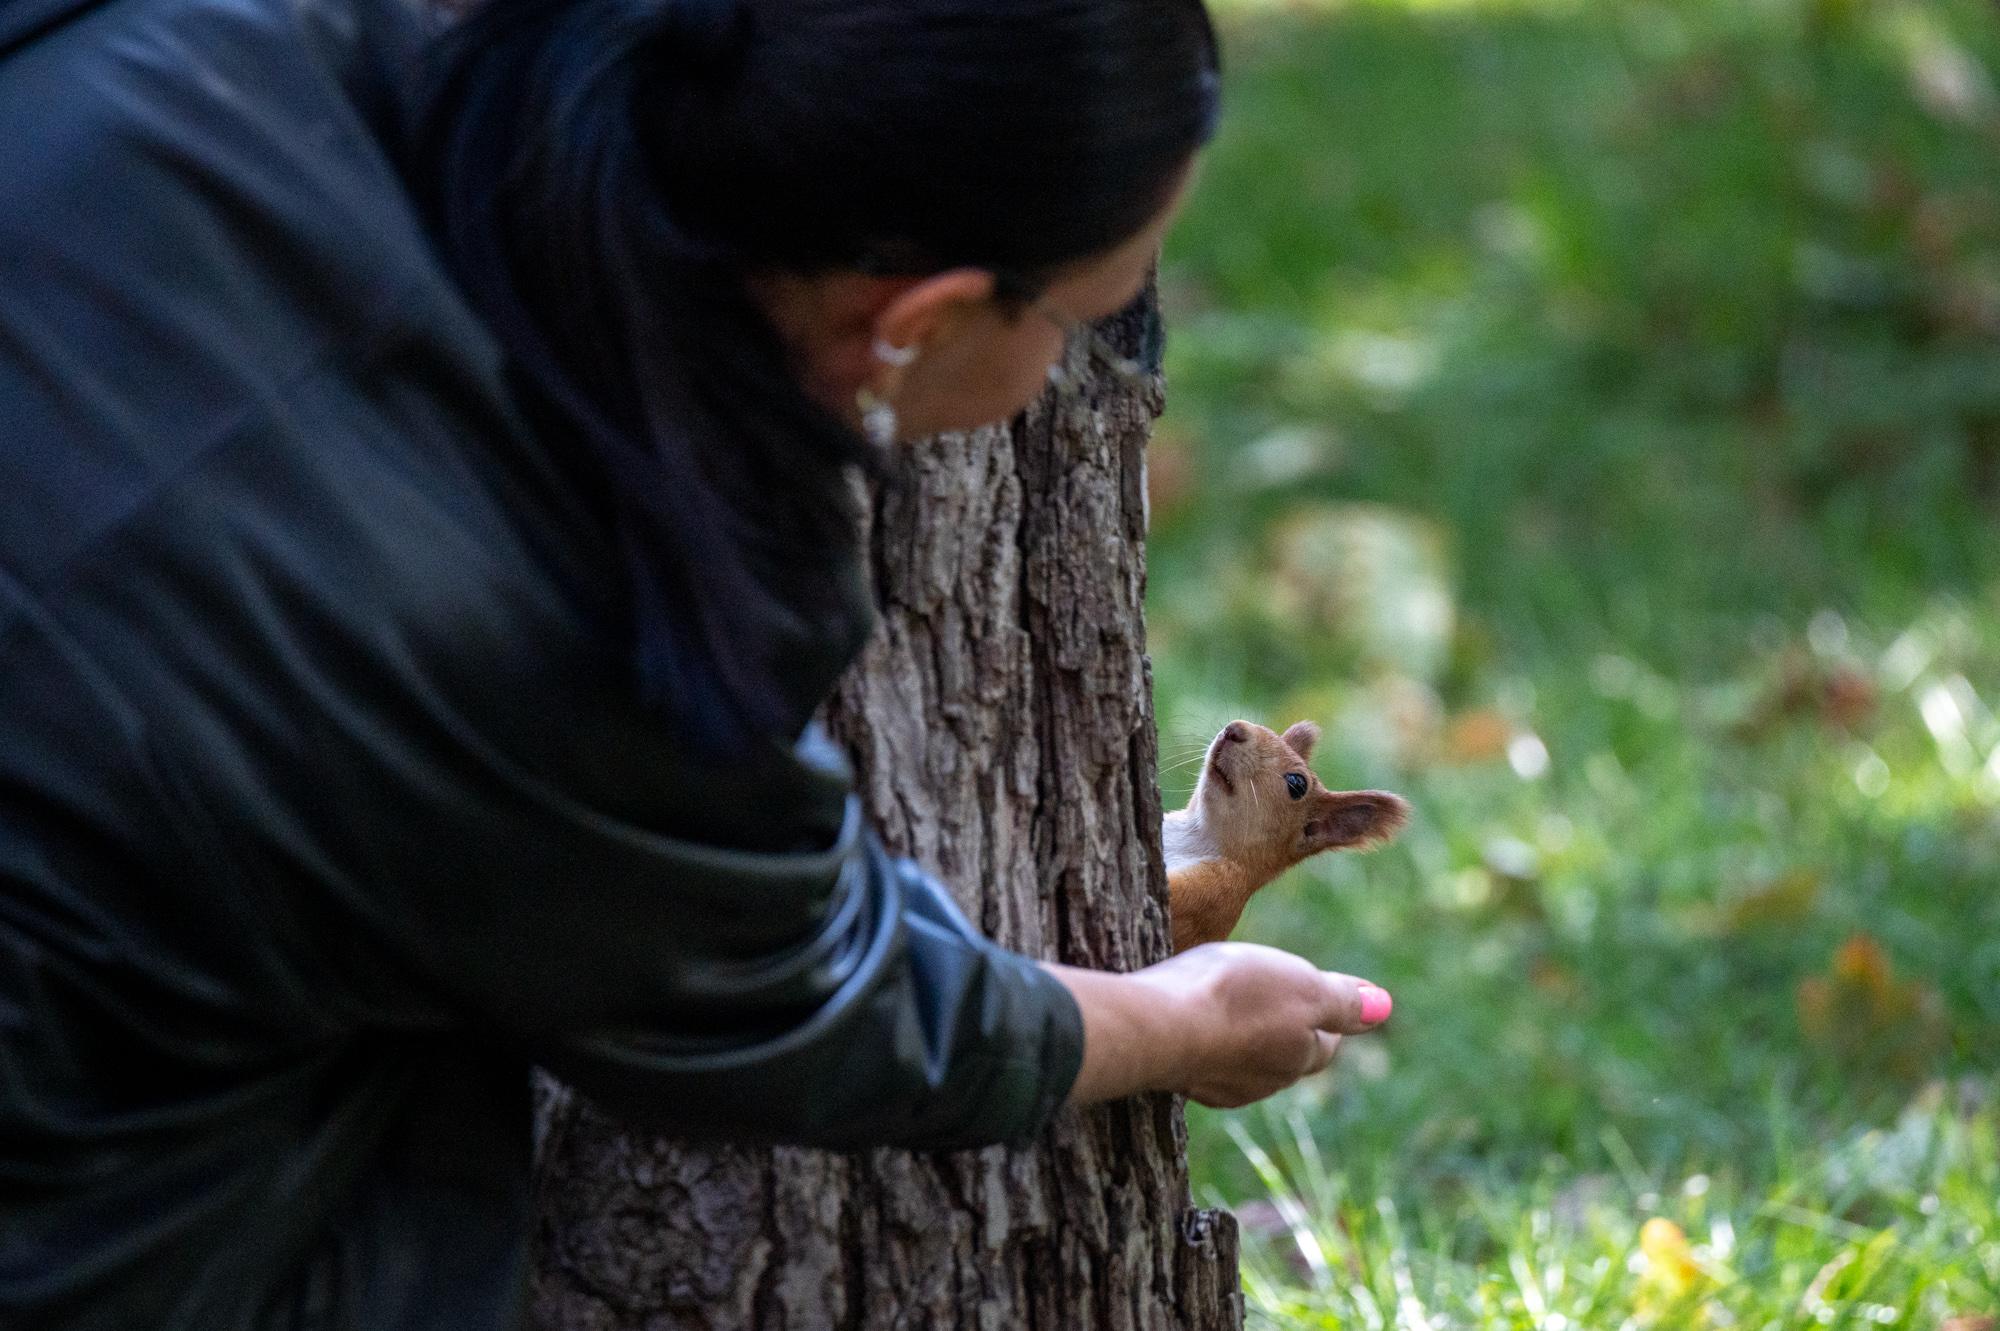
1001	725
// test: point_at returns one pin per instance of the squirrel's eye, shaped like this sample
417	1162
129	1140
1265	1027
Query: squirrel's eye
1296	784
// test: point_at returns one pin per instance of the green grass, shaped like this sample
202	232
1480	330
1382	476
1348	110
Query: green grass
1592	415
1885	1228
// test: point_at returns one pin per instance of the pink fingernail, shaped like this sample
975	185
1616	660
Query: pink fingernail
1376	1005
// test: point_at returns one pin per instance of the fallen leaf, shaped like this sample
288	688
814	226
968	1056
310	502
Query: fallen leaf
1846	698
1859	963
1839	694
1668	1273
1479	736
1863	1014
1784	900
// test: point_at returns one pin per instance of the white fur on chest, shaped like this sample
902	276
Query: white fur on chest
1185	841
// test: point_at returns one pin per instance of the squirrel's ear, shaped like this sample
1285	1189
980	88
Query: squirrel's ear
1346	818
1301	737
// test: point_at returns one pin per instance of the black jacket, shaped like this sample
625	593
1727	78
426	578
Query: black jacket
327	804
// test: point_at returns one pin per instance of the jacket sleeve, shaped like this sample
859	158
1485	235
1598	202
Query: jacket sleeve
832	997
897	1024
823	994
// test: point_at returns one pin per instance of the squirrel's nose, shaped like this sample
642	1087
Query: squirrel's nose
1234	733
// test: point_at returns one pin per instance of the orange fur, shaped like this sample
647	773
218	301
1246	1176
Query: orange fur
1257	811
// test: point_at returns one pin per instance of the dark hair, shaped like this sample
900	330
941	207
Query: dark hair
602	174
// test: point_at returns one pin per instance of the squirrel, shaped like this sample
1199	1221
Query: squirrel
1257	811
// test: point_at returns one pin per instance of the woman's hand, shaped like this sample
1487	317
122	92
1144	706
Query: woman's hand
1224	1024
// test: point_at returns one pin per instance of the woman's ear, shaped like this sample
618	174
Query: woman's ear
923	313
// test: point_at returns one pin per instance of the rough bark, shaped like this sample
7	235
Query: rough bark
1001	724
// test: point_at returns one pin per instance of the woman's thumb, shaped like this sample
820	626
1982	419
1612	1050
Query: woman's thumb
1353	1004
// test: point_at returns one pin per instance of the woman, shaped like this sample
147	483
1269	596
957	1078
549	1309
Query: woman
424	547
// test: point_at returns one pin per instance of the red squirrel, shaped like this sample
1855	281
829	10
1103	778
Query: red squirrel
1256	811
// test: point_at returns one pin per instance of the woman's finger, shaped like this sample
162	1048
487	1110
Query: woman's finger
1351	1004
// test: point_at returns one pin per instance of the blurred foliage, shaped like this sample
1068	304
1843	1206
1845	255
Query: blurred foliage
1882	1227
1591	414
